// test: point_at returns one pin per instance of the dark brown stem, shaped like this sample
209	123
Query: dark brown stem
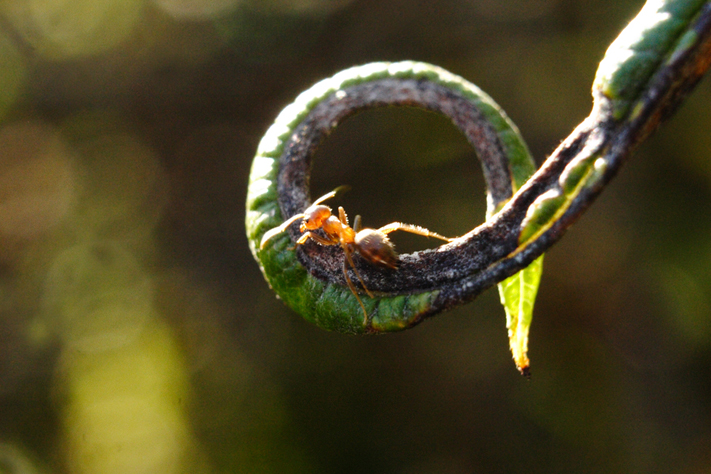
485	256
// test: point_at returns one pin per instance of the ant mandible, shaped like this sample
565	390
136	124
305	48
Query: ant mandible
372	244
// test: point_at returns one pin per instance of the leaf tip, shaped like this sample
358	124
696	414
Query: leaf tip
525	371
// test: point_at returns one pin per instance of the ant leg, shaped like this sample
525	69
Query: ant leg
344	220
342	216
349	260
278	230
356	224
316	238
355	293
413	229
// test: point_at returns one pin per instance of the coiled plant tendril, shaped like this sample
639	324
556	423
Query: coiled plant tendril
645	74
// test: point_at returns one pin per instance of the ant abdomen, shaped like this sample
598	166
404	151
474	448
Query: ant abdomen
376	248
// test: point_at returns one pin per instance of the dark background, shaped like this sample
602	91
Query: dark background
138	336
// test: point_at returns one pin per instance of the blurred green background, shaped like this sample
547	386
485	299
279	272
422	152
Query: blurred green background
138	336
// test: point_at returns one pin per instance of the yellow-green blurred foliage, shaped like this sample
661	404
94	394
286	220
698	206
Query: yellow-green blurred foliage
138	336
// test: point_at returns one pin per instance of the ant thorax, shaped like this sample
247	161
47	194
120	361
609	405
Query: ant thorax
334	227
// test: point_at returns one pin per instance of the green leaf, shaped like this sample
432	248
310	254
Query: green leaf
518	294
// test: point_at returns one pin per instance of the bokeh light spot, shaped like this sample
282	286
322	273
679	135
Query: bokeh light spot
123	186
60	29
301	6
196	9
13	460
97	297
123	410
13	73
36	179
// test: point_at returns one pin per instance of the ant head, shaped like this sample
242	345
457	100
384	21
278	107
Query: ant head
375	247
314	217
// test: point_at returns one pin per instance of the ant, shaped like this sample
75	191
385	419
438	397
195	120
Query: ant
372	244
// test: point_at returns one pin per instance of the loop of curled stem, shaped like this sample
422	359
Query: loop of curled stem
429	270
311	278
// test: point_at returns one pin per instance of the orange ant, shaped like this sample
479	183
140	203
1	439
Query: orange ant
372	244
